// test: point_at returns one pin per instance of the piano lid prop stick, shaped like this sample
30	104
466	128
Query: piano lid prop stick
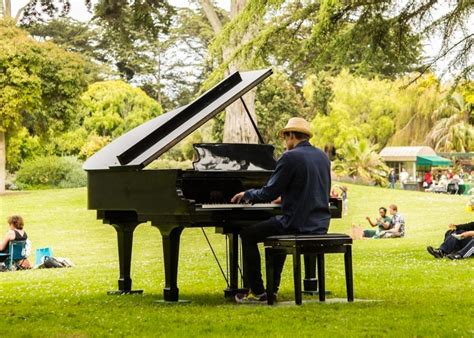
215	257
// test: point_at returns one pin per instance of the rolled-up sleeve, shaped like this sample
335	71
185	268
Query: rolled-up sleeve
277	183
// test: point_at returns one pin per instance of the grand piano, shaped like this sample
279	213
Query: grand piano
125	195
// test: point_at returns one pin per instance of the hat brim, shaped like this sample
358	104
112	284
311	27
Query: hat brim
296	129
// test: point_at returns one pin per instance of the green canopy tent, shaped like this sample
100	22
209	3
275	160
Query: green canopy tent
433	161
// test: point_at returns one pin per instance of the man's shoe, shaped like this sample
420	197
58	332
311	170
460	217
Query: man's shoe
436	253
454	256
244	298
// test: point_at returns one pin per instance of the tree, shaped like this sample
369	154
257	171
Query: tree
359	160
368	37
416	104
33	9
237	126
453	130
108	109
40	86
276	102
359	109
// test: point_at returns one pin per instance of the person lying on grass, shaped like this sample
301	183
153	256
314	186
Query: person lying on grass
15	233
458	242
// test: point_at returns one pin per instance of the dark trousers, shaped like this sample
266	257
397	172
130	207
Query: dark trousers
252	268
452	244
468	250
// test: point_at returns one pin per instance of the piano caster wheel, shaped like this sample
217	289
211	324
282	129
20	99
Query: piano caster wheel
120	292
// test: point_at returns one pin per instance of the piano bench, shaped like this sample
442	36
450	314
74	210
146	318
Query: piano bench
318	245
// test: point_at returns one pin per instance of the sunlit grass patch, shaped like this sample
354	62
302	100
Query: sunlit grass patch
416	294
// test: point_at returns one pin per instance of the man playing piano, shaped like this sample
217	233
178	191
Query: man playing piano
301	181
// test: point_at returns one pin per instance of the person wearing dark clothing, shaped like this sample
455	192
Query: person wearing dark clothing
392	178
457	238
466	252
301	182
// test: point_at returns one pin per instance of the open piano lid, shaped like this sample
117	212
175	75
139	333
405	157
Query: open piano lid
145	143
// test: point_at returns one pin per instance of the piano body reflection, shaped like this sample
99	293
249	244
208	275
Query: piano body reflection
125	195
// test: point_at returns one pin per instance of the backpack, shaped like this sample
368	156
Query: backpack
51	262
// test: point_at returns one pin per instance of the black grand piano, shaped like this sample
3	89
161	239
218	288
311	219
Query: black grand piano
125	195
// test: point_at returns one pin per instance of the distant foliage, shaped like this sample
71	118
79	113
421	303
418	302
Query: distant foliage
359	109
453	130
21	145
360	160
108	109
40	86
113	107
276	102
51	172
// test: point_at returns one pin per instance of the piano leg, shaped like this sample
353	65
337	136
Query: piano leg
171	237
125	243
233	287
310	282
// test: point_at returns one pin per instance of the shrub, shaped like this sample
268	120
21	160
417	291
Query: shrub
51	172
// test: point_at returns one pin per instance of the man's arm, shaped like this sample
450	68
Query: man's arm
386	225
370	221
467	234
399	221
395	229
275	185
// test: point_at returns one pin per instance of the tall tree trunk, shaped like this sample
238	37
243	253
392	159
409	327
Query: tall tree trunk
2	162
8	9
211	15
237	125
2	9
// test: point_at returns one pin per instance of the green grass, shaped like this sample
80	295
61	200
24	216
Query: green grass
416	294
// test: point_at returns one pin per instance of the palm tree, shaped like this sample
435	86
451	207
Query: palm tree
359	159
454	129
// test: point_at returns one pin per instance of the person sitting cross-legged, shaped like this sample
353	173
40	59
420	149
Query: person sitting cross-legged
457	244
397	224
381	223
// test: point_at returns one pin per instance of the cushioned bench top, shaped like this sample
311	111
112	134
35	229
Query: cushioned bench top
327	239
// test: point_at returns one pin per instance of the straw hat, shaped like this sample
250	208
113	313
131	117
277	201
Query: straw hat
297	124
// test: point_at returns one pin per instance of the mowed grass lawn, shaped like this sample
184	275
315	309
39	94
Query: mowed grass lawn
411	293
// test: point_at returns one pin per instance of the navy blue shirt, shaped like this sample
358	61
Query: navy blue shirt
302	178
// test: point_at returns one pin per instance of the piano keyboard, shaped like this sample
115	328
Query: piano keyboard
239	206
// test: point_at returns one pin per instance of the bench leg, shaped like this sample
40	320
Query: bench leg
297	275
269	268
348	268
321	278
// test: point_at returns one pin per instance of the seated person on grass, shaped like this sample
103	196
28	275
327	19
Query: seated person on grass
458	242
15	233
397	224
381	223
